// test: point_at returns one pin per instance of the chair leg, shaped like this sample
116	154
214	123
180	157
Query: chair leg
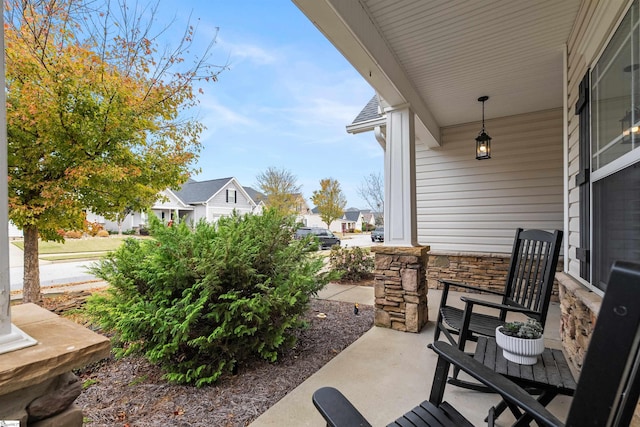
436	335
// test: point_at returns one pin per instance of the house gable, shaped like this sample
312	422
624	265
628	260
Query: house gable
169	200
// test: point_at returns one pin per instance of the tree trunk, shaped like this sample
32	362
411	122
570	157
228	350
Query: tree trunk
31	278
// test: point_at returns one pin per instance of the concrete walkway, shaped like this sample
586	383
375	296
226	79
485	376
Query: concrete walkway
385	373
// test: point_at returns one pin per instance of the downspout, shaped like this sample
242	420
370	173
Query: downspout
380	137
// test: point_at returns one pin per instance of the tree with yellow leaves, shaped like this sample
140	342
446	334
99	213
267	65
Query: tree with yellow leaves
280	189
329	200
95	116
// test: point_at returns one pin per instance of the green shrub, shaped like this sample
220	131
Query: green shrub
351	263
201	302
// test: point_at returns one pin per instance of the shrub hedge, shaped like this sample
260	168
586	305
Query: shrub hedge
203	301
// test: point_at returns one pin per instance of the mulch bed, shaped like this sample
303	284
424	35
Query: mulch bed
131	392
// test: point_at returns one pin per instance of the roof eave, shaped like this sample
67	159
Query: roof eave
366	126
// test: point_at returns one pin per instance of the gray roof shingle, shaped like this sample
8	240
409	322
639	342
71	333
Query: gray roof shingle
255	195
351	215
200	191
369	112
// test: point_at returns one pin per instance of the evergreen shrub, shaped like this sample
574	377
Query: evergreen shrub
201	302
351	263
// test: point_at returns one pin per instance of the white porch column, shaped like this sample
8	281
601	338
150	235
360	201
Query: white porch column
11	338
400	224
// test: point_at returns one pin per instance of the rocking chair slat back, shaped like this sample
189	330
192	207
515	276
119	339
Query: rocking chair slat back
531	270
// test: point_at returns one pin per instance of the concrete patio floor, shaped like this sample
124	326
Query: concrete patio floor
385	373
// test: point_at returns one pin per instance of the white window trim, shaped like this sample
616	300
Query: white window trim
617	165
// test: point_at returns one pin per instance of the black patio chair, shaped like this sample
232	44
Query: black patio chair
527	290
607	391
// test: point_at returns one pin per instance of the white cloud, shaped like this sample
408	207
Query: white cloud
214	112
245	51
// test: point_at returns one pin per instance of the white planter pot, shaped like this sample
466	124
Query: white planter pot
519	350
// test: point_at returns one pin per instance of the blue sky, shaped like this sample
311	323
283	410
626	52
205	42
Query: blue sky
285	100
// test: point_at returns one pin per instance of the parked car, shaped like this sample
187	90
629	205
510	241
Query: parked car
325	237
377	235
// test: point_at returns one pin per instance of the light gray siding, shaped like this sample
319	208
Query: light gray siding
218	205
466	205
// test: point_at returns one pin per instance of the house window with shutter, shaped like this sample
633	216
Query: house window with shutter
615	158
232	196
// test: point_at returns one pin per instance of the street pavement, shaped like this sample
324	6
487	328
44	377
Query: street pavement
52	273
363	240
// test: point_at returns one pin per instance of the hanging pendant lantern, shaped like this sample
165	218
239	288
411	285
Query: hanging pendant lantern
483	140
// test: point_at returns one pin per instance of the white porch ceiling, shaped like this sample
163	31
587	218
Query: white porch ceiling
441	55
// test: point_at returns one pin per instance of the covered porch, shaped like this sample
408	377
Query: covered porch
561	79
555	85
386	372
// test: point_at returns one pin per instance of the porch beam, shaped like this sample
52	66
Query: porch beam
348	26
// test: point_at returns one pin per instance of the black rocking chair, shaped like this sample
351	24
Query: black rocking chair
527	290
607	391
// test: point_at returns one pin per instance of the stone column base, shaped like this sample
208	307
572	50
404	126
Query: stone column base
401	287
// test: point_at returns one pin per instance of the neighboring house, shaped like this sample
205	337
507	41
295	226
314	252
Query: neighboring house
353	219
195	201
370	218
169	207
313	219
562	79
258	198
301	208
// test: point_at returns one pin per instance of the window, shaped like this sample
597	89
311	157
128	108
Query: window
616	213
615	159
232	196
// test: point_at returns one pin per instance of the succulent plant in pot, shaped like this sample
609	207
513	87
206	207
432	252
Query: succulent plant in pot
521	342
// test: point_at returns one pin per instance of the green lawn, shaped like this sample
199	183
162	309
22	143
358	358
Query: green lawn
100	245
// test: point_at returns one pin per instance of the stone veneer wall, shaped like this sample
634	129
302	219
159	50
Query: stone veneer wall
401	287
487	270
579	309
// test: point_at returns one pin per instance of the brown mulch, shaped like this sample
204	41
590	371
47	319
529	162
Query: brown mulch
131	392
367	280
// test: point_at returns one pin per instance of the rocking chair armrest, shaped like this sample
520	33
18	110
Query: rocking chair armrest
497	305
336	409
447	283
509	391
